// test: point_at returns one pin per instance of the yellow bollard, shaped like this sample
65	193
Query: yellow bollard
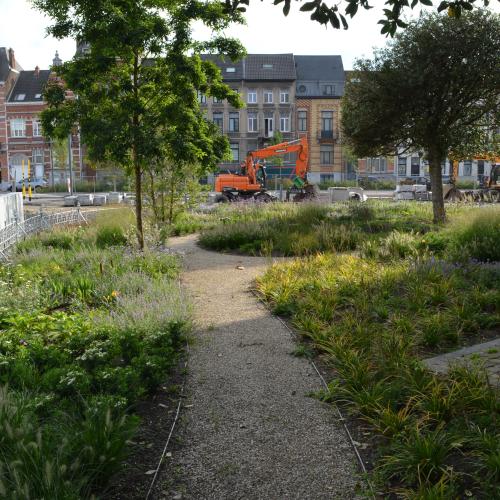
23	187
29	179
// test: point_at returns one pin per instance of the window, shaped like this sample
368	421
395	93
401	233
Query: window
235	151
285	123
268	96
302	89
326	154
268	125
252	96
37	157
252	122
234	122
18	128
218	120
37	128
302	121
327	125
284	97
202	98
327	120
267	66
415	166
401	165
19	97
377	165
480	167
328	90
443	167
217	100
230	70
38	96
467	169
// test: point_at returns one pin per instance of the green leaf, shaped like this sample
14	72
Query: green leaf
351	9
334	20
286	7
344	22
308	6
426	2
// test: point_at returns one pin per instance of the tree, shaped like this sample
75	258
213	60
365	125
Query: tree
326	14
436	88
135	93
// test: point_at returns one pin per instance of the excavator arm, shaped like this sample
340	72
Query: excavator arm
299	146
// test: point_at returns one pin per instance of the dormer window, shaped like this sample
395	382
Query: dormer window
328	90
19	97
38	96
231	70
267	66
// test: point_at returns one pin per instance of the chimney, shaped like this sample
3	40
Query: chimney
37	71
12	59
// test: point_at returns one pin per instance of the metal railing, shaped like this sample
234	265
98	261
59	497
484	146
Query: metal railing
18	231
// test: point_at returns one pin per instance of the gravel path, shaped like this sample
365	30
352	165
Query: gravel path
249	429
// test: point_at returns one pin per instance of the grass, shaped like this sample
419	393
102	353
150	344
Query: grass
377	229
375	313
88	327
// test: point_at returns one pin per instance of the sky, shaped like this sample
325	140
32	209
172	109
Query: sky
267	31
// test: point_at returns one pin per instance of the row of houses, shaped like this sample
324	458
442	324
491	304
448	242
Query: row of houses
286	94
293	95
21	135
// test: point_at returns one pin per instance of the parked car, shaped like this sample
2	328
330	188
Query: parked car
5	186
35	183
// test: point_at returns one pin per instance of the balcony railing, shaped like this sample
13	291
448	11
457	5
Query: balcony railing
327	135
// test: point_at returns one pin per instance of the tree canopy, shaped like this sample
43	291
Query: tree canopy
328	12
435	88
135	93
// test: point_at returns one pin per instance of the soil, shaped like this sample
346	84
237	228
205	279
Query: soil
157	415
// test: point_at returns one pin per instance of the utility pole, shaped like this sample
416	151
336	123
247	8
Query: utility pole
70	164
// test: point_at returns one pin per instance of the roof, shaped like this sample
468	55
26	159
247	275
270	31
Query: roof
319	68
30	85
316	72
255	67
5	68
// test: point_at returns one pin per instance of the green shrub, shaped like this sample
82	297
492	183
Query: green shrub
57	239
86	330
398	245
476	237
108	236
373	321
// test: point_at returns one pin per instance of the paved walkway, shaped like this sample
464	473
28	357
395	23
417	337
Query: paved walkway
249	429
486	354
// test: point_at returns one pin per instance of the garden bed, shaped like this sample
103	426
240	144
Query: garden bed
88	328
374	315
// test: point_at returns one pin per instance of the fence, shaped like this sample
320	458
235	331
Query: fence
18	231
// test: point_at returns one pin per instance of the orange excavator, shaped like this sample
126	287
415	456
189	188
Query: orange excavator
250	183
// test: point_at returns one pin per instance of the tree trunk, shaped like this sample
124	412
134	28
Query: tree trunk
138	200
171	200
153	198
437	187
135	158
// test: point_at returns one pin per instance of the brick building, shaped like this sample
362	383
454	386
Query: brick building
21	135
9	71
